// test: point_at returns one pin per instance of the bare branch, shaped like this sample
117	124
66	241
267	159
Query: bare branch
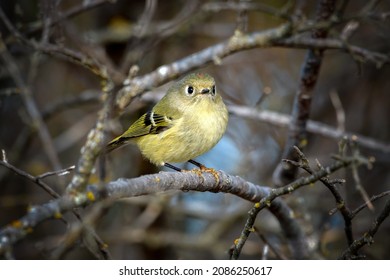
241	6
165	73
364	205
156	183
368	237
285	173
30	105
358	53
315	127
71	12
36	179
85	229
61	172
102	71
340	202
274	193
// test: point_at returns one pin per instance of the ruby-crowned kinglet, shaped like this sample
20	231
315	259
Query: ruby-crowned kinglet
187	122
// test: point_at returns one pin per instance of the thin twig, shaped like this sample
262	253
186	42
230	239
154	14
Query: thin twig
356	177
358	53
85	228
364	205
93	237
368	237
63	52
265	202
71	12
30	105
30	177
340	114
61	172
278	254
340	202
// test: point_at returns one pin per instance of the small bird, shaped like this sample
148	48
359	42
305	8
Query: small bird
187	122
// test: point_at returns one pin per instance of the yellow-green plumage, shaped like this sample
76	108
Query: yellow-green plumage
182	125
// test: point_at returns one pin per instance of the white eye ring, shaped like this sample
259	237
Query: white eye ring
189	90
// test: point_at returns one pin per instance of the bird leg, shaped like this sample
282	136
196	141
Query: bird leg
172	167
201	166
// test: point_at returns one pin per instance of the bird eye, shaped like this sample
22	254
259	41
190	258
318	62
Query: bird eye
189	90
213	91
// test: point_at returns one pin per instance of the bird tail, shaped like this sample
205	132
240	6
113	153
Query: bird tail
116	143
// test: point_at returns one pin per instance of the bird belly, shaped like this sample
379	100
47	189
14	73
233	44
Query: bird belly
179	143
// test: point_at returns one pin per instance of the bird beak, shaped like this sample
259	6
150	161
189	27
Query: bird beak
205	91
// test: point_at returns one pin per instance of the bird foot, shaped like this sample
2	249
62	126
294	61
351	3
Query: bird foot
203	169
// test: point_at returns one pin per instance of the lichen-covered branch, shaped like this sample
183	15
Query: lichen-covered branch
156	183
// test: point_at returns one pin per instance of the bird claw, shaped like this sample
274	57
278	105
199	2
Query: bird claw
203	169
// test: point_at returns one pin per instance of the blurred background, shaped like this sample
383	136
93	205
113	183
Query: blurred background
153	33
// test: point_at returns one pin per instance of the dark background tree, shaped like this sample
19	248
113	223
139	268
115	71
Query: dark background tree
294	73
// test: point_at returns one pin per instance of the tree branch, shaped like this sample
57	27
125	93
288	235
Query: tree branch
156	183
71	12
297	136
239	42
274	193
358	53
368	237
30	105
315	127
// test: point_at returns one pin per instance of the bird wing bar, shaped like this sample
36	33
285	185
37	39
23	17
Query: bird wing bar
149	123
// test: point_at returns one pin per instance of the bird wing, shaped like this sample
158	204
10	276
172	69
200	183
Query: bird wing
148	123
